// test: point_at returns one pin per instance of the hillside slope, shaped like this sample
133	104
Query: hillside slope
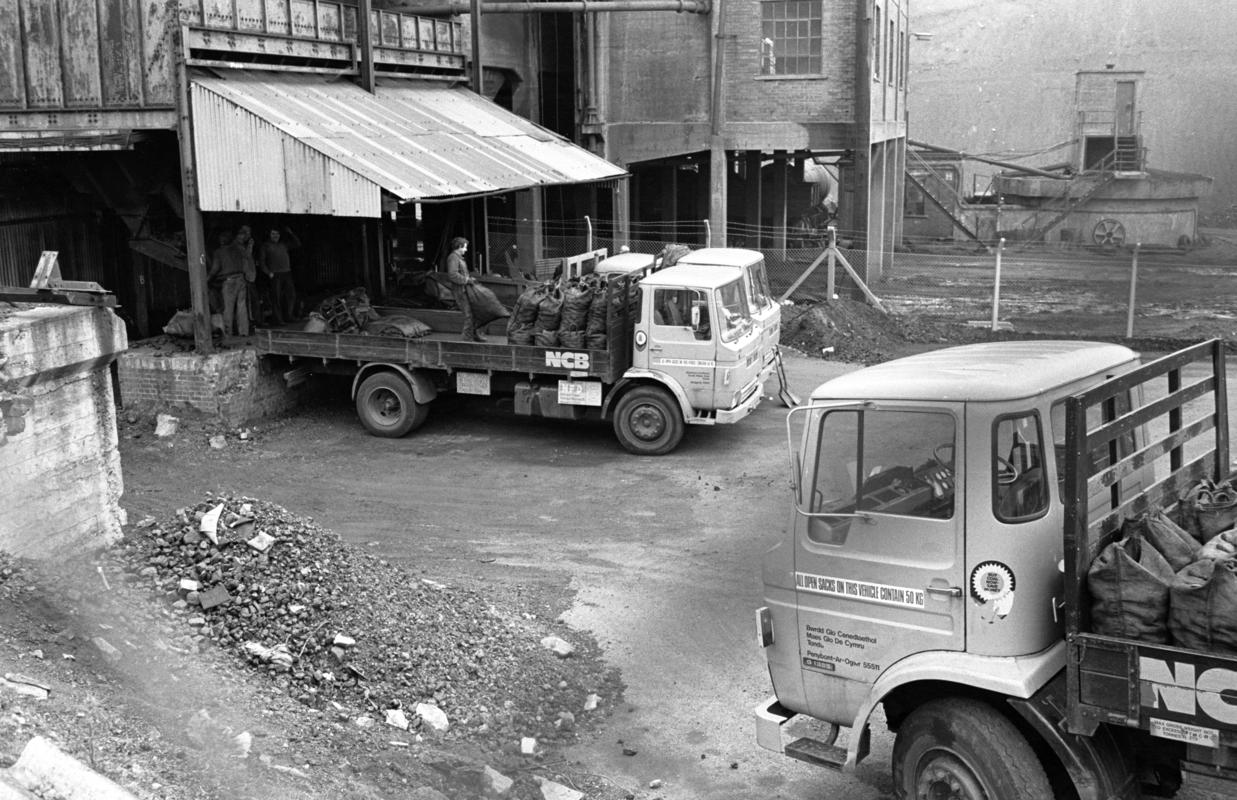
997	77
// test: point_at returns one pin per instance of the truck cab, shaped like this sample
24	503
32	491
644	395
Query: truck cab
694	337
766	311
922	569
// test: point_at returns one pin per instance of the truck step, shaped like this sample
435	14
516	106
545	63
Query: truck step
817	752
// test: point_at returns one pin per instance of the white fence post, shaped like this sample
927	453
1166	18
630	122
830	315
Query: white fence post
831	274
1129	319
996	284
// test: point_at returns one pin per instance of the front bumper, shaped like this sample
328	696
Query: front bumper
770	717
747	406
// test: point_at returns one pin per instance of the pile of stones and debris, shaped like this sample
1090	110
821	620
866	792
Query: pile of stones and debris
411	684
330	623
856	332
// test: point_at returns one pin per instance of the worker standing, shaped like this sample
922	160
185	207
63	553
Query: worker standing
233	264
275	264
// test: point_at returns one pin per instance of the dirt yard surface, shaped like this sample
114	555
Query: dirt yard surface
943	294
446	559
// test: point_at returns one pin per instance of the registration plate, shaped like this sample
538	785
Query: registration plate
579	393
472	383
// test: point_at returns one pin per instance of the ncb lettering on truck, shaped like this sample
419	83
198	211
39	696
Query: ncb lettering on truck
566	359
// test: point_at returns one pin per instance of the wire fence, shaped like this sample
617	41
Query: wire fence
1043	288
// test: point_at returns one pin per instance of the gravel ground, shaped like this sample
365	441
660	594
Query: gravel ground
163	695
185	668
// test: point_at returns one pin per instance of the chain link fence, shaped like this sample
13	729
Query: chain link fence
1042	288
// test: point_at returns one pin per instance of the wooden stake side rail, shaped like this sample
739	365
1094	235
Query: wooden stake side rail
432	353
1110	679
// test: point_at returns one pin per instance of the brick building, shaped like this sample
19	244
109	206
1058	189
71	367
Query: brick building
751	89
683	93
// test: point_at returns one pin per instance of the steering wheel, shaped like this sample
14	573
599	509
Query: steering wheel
946	463
1006	472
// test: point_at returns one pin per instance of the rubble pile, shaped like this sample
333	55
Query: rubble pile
338	628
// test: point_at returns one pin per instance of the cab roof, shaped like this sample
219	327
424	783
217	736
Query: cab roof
698	276
722	257
991	371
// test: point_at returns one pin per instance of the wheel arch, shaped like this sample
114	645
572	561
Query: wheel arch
1079	767
633	379
960	673
423	388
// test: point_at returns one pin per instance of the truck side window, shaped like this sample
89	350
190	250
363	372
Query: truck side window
1019	482
672	307
888	462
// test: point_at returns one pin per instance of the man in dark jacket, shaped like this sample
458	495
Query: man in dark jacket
274	261
233	264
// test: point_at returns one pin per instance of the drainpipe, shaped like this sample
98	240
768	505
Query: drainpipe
567	6
475	24
718	172
365	43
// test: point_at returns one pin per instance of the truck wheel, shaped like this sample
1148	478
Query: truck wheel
647	422
386	406
962	749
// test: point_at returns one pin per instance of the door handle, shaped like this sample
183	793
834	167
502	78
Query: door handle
946	591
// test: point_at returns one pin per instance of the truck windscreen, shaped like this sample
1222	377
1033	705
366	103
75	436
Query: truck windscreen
736	317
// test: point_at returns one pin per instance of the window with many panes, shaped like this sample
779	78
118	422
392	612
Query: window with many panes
792	42
877	56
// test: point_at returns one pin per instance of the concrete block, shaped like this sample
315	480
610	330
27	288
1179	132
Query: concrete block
58	432
9	790
43	767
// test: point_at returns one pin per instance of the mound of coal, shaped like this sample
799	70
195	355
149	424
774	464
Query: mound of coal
335	626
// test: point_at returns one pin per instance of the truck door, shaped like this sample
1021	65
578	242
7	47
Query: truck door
685	355
878	545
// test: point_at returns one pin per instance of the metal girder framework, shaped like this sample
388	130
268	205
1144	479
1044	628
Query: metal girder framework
566	6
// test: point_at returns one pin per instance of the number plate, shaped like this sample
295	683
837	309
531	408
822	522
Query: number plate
472	382
579	393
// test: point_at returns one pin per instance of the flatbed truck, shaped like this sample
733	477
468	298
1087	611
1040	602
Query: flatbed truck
947	509
704	364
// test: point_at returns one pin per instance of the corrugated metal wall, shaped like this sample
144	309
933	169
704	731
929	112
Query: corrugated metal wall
92	246
275	173
101	54
29	228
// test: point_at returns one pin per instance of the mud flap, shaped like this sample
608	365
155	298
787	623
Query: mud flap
784	394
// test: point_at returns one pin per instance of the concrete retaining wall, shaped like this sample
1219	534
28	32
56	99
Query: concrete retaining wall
234	386
59	464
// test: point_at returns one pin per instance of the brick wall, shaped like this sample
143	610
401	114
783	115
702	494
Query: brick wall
753	98
234	386
660	71
59	464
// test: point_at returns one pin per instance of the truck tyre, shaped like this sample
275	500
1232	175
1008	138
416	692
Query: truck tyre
386	406
963	749
647	421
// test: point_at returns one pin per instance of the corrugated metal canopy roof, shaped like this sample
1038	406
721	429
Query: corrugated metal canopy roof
309	144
